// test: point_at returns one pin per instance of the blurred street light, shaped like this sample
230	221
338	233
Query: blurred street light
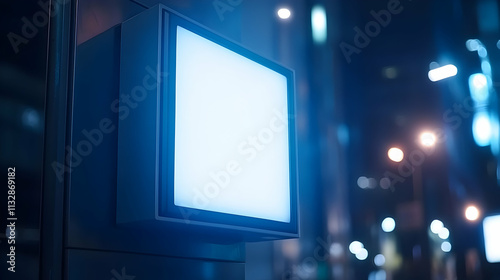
395	154
427	139
472	213
284	13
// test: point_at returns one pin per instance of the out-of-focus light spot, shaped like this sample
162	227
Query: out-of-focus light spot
319	24
436	226
433	65
416	252
343	134
362	254
444	233
446	246
363	182
385	183
495	134
472	45
290	248
486	67
481	128
372	183
336	250
442	72
479	80
427	139
498	44
388	224
377	275
395	154
390	72
338	271
31	118
478	86
355	247
472	213
482	52
381	275
379	260
491	230
284	13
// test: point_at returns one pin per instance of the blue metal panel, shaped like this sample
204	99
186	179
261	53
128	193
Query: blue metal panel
91	216
138	111
87	264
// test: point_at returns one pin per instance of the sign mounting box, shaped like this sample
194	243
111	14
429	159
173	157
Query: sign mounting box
206	134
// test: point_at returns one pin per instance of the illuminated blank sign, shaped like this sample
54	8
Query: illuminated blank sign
214	143
491	229
231	136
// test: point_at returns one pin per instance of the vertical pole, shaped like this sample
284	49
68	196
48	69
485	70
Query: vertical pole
59	91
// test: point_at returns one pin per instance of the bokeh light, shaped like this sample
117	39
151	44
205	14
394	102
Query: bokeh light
427	139
363	182
444	233
446	246
362	254
388	224
355	247
395	154
436	226
284	13
379	260
472	213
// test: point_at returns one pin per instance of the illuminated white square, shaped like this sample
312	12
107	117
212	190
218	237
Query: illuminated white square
231	132
491	229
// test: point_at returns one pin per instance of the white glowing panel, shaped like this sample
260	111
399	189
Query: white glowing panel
479	88
481	128
231	132
319	24
491	228
442	72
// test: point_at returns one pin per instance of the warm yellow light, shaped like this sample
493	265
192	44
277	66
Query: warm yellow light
395	154
472	213
427	139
